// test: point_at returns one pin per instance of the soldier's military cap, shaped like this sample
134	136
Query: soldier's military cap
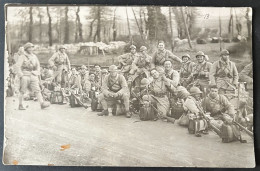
132	47
28	45
112	68
195	90
186	55
144	82
83	67
143	48
200	53
182	94
224	52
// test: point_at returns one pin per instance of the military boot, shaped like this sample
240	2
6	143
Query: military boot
128	114
104	112
45	105
21	107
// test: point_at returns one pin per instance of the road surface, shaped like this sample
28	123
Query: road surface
35	137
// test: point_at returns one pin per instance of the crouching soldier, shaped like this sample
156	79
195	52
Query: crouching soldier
114	88
200	72
246	75
219	107
193	106
224	73
186	70
28	71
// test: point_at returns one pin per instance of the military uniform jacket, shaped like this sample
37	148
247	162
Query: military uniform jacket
118	84
125	61
247	71
186	69
74	81
160	87
159	57
191	105
201	70
59	58
142	61
218	105
174	76
221	69
28	64
83	79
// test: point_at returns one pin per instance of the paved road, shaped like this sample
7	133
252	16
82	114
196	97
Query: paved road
35	137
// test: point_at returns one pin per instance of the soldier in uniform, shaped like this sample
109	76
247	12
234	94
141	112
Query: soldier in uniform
28	71
162	55
200	72
218	106
223	73
113	89
97	73
159	88
104	72
59	62
186	70
83	78
74	79
126	60
172	74
246	75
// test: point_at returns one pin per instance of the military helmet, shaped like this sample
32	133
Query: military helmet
83	67
146	98
28	45
224	52
62	47
143	48
104	71
132	47
112	68
160	69
185	55
195	90
183	94
200	53
144	82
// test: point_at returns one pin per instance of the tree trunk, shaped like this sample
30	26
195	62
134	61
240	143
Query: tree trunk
248	22
230	24
76	31
114	26
66	27
40	27
141	34
49	25
141	21
80	36
186	28
220	34
170	18
129	30
98	24
30	25
91	29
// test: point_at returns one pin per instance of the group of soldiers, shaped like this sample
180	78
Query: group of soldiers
140	78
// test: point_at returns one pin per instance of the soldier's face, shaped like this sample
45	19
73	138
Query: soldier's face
29	50
133	50
197	96
225	57
161	46
92	77
213	92
185	59
62	50
167	65
97	68
113	73
73	71
200	58
155	74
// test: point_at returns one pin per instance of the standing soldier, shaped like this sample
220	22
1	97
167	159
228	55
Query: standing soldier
246	75
113	89
200	72
186	70
126	60
28	71
162	55
59	62
224	73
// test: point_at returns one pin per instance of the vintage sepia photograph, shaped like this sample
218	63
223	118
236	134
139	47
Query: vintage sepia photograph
136	86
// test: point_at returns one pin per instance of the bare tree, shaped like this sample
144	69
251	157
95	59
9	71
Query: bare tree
49	26
186	28
170	18
66	27
79	25
30	32
128	24
141	34
248	22
114	26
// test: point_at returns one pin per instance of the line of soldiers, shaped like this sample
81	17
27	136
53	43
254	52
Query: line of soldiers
142	78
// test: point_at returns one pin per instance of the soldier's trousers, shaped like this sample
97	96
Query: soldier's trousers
58	73
224	85
106	100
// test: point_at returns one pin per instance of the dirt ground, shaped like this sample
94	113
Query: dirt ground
35	137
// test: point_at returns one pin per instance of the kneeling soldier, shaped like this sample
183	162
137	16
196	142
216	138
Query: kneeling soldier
114	88
218	106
